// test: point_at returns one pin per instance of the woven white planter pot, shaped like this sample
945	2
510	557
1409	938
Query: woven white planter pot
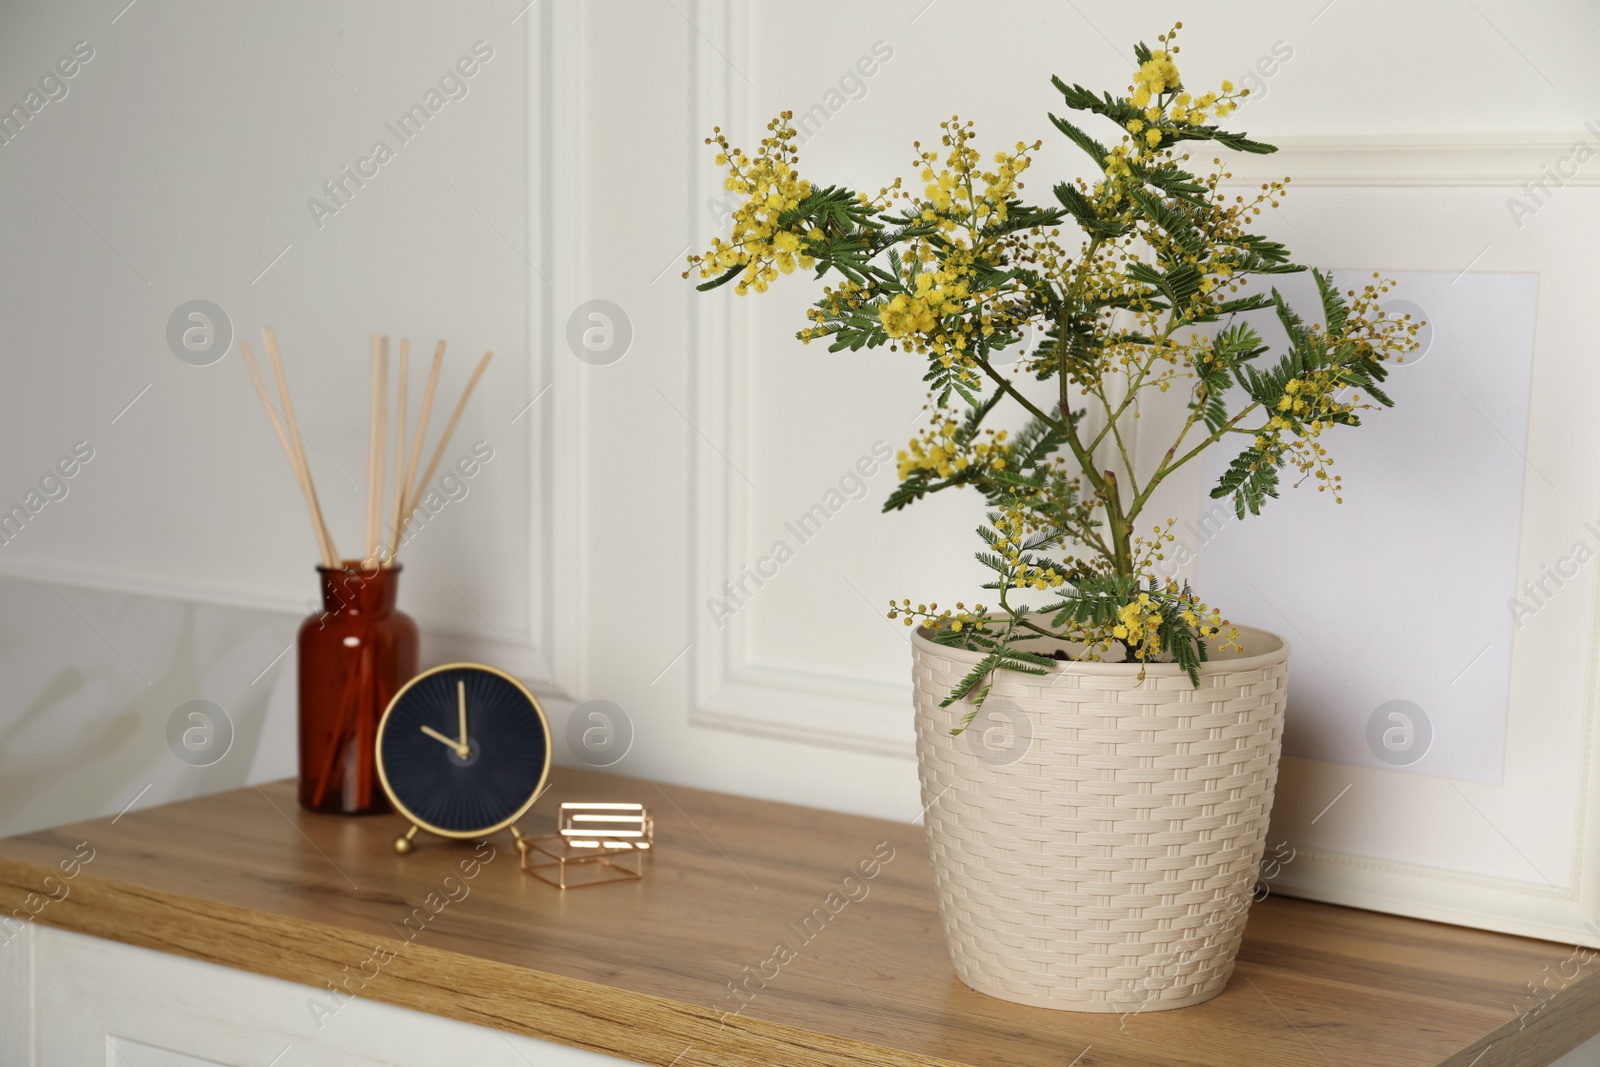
1095	838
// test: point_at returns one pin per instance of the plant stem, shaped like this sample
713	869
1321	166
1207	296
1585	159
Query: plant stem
1117	522
1168	465
1072	297
1114	416
1033	408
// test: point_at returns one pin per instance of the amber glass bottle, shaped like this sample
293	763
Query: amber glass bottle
355	654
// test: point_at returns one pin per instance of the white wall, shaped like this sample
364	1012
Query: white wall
179	166
587	550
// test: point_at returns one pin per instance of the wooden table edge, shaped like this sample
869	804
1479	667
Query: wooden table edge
1565	1021
509	997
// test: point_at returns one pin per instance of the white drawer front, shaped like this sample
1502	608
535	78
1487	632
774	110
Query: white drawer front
67	1000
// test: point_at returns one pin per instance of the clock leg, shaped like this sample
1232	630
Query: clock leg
402	844
524	843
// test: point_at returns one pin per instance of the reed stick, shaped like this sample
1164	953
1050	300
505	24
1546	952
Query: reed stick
408	503
364	738
296	450
455	417
400	450
371	545
301	475
408	487
348	702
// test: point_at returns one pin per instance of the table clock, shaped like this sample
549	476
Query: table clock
463	751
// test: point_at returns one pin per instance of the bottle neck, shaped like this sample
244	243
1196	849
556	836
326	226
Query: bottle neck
357	589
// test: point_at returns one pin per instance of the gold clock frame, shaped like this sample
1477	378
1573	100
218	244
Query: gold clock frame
403	843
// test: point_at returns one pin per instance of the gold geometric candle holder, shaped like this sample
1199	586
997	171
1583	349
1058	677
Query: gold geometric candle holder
594	844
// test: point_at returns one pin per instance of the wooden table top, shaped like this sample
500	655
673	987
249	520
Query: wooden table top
643	970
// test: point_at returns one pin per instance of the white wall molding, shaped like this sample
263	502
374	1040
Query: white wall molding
556	497
1509	160
729	691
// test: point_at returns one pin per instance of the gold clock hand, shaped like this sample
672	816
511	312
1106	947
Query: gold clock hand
461	704
461	750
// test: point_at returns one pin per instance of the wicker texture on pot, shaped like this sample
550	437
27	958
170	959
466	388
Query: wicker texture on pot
1095	838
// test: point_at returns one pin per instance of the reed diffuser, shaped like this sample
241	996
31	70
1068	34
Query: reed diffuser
358	650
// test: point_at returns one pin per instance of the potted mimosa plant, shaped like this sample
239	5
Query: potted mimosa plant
1105	861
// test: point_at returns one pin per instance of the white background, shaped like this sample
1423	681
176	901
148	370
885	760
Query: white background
617	505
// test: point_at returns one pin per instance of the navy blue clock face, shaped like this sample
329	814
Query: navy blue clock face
463	750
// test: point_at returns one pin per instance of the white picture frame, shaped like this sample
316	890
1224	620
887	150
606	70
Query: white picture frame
1522	855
